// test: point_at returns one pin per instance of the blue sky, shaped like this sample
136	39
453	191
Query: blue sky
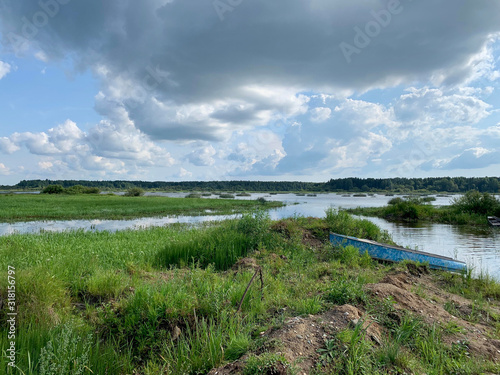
288	90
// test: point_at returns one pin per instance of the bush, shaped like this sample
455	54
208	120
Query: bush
474	202
134	192
53	189
395	201
79	189
193	195
408	209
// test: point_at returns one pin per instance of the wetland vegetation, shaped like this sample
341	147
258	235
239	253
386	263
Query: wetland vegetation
30	207
180	300
472	208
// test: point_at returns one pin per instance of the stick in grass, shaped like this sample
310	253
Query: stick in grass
259	270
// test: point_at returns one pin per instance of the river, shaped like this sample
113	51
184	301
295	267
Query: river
480	248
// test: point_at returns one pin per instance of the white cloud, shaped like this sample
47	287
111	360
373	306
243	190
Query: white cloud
202	156
119	149
5	69
438	107
7	146
184	173
46	165
4	170
320	114
473	158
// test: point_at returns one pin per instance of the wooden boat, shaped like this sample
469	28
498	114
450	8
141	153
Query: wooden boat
396	253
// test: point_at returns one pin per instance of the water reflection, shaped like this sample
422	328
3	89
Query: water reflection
479	247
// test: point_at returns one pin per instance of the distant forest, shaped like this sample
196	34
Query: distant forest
403	185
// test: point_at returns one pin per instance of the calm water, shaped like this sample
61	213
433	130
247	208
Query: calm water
479	248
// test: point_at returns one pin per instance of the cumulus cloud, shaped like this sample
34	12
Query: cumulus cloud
4	69
320	114
427	105
268	88
473	158
7	146
202	157
105	147
187	58
4	170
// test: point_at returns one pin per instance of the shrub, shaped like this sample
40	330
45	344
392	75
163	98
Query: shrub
193	195
134	192
79	189
394	201
53	189
474	202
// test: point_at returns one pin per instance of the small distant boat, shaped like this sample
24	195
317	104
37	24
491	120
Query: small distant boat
397	253
494	221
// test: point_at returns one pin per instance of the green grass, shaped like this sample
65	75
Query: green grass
134	302
29	207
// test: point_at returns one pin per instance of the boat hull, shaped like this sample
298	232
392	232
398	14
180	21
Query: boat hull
396	253
494	221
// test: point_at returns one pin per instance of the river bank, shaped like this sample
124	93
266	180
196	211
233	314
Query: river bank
139	302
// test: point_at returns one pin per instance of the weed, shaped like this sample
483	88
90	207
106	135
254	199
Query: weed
267	363
237	347
346	290
356	358
67	354
307	306
327	354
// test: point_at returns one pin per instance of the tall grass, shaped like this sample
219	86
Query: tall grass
133	302
342	222
220	246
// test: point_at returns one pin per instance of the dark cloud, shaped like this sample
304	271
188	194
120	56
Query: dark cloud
178	71
283	43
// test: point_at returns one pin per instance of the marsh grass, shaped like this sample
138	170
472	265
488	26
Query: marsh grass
29	207
137	304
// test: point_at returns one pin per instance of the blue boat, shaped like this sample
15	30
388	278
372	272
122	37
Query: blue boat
397	253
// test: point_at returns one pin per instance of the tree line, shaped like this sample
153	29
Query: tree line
353	184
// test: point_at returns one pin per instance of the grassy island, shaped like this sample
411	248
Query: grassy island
248	296
30	207
473	208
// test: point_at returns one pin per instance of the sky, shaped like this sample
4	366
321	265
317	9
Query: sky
308	90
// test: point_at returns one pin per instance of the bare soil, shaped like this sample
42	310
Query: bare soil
415	290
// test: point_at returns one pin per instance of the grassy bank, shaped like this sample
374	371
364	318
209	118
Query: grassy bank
27	207
471	209
184	300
